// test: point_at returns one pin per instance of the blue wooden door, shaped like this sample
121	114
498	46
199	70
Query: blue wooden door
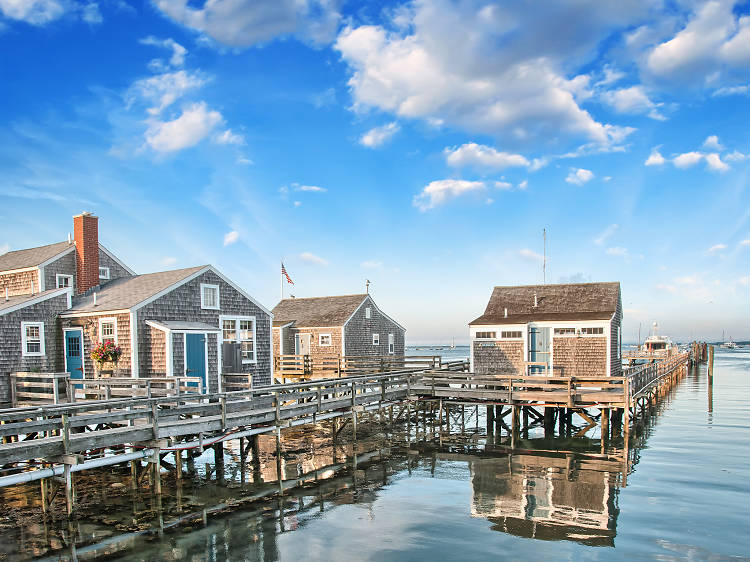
74	353
195	357
539	339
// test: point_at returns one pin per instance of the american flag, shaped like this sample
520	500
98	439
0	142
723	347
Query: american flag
285	274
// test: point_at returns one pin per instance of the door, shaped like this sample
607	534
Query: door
195	357
74	354
539	341
303	344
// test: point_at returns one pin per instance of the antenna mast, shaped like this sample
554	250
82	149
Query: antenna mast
544	261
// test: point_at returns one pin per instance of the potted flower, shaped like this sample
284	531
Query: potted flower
106	354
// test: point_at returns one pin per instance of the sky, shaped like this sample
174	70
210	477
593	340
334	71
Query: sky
421	145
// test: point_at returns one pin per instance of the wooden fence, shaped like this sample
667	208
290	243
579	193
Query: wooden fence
127	387
31	389
297	367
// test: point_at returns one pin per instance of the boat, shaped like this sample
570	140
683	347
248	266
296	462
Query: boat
657	344
729	344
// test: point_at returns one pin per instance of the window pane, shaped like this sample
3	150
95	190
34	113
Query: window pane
246	329
229	331
32	332
209	296
247	349
33	347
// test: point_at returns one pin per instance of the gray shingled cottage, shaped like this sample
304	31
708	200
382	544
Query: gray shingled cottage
348	325
567	329
61	300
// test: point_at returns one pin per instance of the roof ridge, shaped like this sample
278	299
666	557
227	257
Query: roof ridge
326	297
556	284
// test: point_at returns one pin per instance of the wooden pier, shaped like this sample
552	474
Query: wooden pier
52	441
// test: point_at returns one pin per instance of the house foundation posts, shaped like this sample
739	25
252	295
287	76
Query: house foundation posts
219	461
490	419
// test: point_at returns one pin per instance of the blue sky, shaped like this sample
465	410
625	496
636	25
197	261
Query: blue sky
423	146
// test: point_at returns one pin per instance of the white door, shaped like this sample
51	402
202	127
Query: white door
302	344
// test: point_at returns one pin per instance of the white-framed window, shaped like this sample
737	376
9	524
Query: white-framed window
108	330
368	312
485	335
565	331
103	273
32	339
391	344
63	281
376	339
511	335
592	331
324	340
240	329
209	296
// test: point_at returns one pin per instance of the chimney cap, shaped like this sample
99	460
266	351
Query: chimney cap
86	214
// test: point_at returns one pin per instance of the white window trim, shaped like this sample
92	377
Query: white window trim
110	319
320	340
368	312
376	339
236	320
391	344
107	274
218	301
24	341
63	276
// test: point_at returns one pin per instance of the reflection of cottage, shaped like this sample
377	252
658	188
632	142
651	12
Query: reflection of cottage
65	298
349	325
548	497
568	329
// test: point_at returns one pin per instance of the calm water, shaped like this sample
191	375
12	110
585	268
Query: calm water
683	493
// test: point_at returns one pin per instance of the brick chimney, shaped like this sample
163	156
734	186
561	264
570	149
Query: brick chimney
86	234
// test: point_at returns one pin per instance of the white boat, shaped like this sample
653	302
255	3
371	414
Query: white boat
729	344
656	344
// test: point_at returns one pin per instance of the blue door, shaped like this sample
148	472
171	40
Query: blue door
195	357
539	339
74	353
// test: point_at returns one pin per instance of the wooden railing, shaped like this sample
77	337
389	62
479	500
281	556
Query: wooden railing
231	382
309	366
126	387
28	388
642	377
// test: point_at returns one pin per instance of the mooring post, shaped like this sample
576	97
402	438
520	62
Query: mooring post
243	459
279	471
219	461
549	422
255	450
157	470
45	500
526	422
490	419
178	462
69	497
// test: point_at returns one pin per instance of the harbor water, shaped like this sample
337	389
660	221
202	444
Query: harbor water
681	490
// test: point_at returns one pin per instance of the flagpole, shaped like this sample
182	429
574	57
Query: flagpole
281	274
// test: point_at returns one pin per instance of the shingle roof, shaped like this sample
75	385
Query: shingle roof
31	257
317	311
20	299
126	292
571	301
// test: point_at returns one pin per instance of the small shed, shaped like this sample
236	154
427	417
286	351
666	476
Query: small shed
571	329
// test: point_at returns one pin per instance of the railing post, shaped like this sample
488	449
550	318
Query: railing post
55	390
154	419
65	433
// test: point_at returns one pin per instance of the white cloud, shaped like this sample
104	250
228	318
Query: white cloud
530	255
579	176
688	280
717	248
245	161
481	156
378	136
90	13
687	159
745	242
467	65
655	158
732	91
297	203
606	234
178	51
308	188
744	281
503	185
228	137
735	156
632	100
372	264
194	124
439	191
712	143
168	261
714	162
312	258
617	251
231	237
243	23
524	184
164	89
34	12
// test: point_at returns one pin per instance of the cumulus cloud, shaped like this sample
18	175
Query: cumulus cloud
717	248
633	100
655	158
481	156
194	124
312	258
308	188
243	23
579	176
378	136
687	159
229	137
34	12
439	191
231	237
712	143
530	255
712	159
178	51
606	234
163	89
466	65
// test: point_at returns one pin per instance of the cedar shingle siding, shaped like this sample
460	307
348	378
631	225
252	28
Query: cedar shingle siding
115	269
359	330
65	265
498	357
19	283
11	356
90	325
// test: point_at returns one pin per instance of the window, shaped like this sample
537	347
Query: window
108	330
62	281
103	273
511	335
486	335
32	339
391	344
592	331
241	330
565	331
209	296
376	339
368	312
324	340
